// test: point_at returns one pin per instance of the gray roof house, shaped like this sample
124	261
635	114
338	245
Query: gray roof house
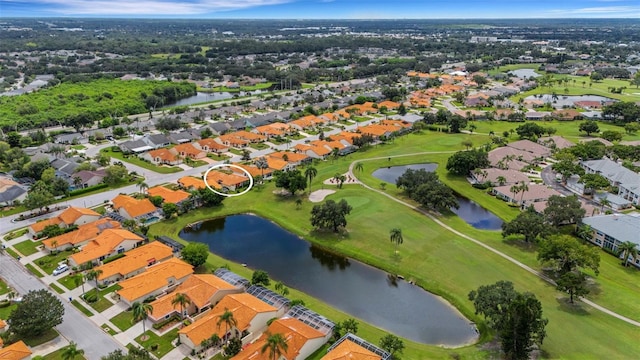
134	146
181	137
64	168
71	138
609	231
157	140
219	128
627	181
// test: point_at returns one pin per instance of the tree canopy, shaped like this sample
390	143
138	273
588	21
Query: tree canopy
330	215
528	224
530	130
565	253
195	253
563	210
292	181
463	162
38	312
425	187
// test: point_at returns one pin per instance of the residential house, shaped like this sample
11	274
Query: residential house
157	141
162	157
390	105
168	195
534	194
226	181
270	297
272	130
134	209
65	168
157	279
251	317
567	114
88	178
203	290
293	158
609	231
211	146
108	243
188	150
191	183
254	171
134	262
352	347
605	142
70	216
555	142
16	351
529	146
536	115
498	177
302	341
82	235
75	138
219	128
10	191
277	164
313	151
135	146
181	137
627	181
509	158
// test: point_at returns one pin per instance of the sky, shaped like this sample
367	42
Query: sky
323	9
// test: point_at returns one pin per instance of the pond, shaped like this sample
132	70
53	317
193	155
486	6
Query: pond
203	97
561	101
360	290
469	211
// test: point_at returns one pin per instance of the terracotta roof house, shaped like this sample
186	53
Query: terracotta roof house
211	145
567	114
390	105
351	347
530	147
231	140
271	130
313	151
71	216
254	171
226	181
291	157
302	341
110	242
168	195
161	156
534	194
160	278
134	262
555	142
499	177
16	351
134	209
250	313
80	236
203	290
188	150
277	164
191	183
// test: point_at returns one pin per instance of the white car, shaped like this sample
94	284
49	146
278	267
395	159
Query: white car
60	269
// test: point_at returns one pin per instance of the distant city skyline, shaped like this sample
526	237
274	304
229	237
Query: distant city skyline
322	9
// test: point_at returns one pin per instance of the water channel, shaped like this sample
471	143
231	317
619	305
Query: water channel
469	211
203	97
360	290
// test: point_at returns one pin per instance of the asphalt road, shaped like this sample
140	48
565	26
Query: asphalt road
75	326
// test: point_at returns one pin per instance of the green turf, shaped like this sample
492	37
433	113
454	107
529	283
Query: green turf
81	307
57	355
163	342
42	338
435	258
123	321
27	247
6	311
49	262
56	288
4	288
68	282
34	271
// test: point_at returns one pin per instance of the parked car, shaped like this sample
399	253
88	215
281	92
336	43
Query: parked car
60	269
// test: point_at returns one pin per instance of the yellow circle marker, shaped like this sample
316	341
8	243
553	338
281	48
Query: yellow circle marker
206	174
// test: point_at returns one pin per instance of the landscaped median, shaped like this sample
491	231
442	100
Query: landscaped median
435	258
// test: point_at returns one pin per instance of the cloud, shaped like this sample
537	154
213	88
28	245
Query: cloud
627	11
146	7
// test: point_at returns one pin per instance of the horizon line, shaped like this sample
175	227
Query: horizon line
115	17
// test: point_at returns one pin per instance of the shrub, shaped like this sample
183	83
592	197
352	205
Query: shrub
86	190
4	303
162	323
90	297
112	258
154	347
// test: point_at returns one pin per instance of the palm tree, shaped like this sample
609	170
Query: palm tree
261	163
604	202
628	249
501	180
182	300
310	172
93	274
141	312
78	280
396	237
229	321
77	181
54	246
276	345
143	187
515	189
524	188
72	351
341	179
359	167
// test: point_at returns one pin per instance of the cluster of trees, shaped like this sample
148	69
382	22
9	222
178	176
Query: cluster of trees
81	104
455	122
330	215
463	162
516	317
292	181
38	312
624	112
427	189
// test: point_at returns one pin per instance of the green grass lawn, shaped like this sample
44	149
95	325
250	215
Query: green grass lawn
49	262
82	309
109	330
4	288
219	157
163	342
196	163
235	151
57	288
12	252
123	321
34	271
109	290
6	311
68	282
27	247
577	88
435	258
101	304
16	234
57	355
259	146
139	162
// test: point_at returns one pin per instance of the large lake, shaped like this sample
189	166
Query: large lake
469	211
360	290
203	97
